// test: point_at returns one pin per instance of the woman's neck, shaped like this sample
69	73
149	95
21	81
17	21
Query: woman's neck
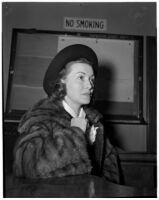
76	108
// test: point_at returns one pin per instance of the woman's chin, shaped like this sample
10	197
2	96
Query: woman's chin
86	101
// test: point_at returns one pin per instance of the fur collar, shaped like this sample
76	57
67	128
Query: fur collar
47	108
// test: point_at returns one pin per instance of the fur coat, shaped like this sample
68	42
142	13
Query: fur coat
48	146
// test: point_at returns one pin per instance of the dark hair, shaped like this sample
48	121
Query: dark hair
59	90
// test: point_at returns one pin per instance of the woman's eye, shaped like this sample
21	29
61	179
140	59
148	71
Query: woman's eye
81	77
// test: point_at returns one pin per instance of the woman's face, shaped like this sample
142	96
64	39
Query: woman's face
79	84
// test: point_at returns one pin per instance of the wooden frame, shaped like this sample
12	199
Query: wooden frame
125	112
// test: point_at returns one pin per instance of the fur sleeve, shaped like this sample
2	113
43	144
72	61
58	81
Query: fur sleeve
111	163
45	152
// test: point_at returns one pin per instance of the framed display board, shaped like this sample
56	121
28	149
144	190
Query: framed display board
119	80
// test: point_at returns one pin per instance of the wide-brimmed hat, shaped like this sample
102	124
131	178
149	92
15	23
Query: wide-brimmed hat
66	55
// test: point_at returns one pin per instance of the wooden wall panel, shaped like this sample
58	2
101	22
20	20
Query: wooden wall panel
131	137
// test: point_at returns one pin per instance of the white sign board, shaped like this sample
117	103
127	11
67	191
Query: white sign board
85	24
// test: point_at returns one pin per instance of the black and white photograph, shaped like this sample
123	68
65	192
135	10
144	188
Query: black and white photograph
79	98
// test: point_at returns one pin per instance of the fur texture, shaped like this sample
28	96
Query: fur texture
48	146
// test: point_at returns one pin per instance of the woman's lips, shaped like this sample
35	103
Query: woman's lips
87	94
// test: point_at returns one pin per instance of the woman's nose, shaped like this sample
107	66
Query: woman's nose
89	84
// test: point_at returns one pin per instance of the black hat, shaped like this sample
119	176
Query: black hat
66	55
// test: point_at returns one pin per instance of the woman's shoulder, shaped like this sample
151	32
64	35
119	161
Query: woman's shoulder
43	106
40	112
46	103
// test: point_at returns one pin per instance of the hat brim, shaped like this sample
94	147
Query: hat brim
66	55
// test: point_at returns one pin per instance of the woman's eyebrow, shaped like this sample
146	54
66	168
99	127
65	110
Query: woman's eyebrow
80	73
92	75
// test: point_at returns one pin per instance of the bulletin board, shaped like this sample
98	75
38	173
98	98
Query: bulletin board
117	89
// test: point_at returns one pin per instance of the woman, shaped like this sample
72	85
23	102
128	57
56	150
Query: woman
61	135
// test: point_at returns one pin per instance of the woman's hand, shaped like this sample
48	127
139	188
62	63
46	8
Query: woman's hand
79	122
